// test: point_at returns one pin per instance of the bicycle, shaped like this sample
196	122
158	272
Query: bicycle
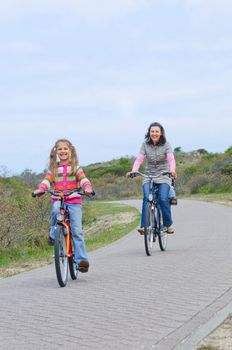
154	226
63	245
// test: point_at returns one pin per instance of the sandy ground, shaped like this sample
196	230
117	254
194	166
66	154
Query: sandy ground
220	338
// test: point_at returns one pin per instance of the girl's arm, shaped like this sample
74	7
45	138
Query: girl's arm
46	183
84	181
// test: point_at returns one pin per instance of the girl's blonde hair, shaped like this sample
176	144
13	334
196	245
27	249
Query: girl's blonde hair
73	158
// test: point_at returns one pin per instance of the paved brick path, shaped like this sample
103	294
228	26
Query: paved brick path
127	301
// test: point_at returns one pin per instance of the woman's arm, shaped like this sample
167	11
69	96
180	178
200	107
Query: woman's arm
138	161
171	163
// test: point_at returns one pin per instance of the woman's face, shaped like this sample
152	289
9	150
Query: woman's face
63	151
155	133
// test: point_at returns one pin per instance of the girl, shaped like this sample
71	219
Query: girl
65	174
160	159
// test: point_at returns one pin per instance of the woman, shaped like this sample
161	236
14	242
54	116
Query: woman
160	159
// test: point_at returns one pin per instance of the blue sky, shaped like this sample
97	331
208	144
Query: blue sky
99	72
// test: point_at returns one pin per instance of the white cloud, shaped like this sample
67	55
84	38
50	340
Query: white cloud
204	11
85	9
24	47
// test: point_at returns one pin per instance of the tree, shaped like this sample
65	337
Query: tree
228	152
202	151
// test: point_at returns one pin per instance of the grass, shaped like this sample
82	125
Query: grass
221	198
112	221
103	223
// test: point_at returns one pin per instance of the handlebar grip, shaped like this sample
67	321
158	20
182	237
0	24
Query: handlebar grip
133	175
37	194
93	193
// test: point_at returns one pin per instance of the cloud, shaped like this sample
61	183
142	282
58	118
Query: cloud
24	47
88	10
204	11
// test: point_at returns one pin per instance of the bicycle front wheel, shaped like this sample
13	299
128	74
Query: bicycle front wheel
61	259
72	266
162	231
149	230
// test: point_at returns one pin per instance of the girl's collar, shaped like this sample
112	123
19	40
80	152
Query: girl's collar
63	164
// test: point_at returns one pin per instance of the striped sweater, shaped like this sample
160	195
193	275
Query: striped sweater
65	182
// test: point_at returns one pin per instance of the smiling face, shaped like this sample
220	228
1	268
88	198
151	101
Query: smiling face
63	151
155	133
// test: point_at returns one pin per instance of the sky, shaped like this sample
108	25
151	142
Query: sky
99	72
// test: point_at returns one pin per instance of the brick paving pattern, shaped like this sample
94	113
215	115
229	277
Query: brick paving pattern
127	301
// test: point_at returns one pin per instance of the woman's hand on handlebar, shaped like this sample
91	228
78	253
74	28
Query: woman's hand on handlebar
174	174
131	174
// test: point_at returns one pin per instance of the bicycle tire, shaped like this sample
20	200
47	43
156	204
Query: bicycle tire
61	259
72	266
149	230
162	231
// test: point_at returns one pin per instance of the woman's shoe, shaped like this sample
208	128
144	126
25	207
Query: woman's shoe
51	241
170	229
173	201
141	230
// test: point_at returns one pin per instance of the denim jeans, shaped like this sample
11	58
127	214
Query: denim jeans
163	192
75	215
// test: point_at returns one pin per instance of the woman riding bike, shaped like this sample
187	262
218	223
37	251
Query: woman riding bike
160	159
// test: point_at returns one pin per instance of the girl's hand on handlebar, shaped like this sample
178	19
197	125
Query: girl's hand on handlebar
89	191
38	192
128	174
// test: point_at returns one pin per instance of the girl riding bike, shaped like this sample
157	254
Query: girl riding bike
65	174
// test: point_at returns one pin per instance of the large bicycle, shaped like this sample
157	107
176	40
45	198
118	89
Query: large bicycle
154	227
63	245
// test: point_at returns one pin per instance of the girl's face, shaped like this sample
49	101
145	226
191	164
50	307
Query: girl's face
155	133
63	151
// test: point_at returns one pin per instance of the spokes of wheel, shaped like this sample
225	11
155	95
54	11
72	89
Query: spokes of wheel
61	259
162	235
149	230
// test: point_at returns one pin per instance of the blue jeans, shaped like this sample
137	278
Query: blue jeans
75	215
163	192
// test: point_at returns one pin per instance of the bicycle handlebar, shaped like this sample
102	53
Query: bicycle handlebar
57	193
150	177
134	174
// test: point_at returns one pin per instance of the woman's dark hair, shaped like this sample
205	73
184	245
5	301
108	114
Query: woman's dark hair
162	139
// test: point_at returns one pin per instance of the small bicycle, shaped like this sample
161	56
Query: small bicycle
63	245
154	226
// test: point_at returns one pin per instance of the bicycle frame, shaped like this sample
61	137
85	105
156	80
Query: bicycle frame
63	219
153	220
63	253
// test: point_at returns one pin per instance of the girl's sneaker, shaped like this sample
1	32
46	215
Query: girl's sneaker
83	266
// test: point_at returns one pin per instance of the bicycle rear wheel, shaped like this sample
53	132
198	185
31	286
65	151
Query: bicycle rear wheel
149	230
61	259
162	231
72	266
